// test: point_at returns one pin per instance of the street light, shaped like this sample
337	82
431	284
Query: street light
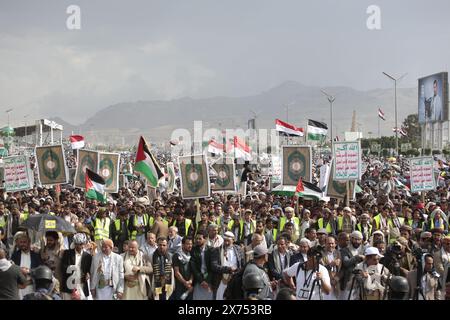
331	100
395	98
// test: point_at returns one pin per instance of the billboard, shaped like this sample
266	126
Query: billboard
433	98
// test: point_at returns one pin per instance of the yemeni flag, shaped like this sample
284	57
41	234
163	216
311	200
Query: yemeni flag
146	164
77	142
381	114
241	149
95	186
402	131
316	130
288	129
217	148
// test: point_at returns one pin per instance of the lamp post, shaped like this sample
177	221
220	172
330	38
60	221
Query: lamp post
395	103
331	100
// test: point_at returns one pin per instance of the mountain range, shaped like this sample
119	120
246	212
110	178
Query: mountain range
290	101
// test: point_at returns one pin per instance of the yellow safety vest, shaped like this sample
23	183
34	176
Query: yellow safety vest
274	234
283	222
118	225
187	224
328	226
134	232
23	217
151	221
359	227
241	227
101	230
3	219
432	225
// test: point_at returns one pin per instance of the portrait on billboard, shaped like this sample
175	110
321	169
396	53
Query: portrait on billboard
433	98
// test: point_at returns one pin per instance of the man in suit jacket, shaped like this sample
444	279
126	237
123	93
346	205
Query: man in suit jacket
351	255
430	278
201	267
279	259
107	273
26	260
75	269
225	260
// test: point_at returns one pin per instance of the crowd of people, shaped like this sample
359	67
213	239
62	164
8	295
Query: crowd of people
387	243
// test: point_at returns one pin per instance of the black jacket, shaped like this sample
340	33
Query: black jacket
348	264
68	259
196	264
35	259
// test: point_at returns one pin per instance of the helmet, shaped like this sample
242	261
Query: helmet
252	281
42	273
399	284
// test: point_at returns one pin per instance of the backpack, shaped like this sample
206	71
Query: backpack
234	290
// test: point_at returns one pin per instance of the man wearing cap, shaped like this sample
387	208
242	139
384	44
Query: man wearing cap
426	241
75	269
351	256
256	266
161	226
289	218
373	276
322	235
107	273
225	260
327	221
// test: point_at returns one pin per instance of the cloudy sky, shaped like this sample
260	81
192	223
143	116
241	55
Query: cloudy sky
144	50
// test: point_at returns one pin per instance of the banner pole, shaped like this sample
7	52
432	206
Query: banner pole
347	202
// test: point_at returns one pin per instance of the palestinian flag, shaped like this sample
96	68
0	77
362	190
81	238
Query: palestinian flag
95	186
288	129
146	164
316	130
77	142
381	114
300	188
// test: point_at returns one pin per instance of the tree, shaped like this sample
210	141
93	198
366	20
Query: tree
413	130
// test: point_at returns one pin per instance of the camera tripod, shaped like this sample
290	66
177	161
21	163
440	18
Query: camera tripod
316	281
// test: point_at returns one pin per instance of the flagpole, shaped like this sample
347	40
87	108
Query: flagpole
379	135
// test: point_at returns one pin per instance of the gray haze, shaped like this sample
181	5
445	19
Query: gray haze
128	51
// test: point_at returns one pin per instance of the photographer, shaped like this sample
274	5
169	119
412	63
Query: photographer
371	275
424	285
399	258
311	277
